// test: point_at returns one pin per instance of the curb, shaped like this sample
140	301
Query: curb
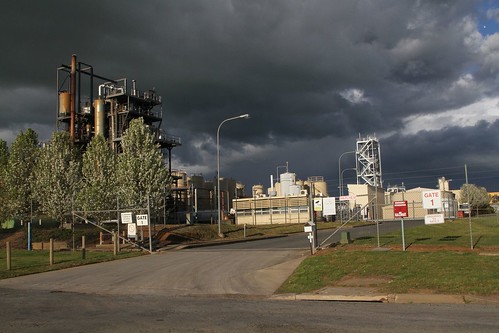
396	299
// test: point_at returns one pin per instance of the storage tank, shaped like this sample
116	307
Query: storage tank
100	117
197	181
257	190
320	189
294	189
287	180
64	103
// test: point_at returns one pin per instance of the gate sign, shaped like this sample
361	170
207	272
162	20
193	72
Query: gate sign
142	219
400	209
432	199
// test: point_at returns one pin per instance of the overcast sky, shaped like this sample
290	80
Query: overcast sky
422	76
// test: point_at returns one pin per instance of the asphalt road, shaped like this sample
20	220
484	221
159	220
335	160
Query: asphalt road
41	311
216	289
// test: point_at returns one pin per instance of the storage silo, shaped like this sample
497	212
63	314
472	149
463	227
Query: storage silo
287	180
294	189
257	190
100	117
320	189
64	103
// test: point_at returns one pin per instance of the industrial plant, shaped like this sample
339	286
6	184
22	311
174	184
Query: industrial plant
90	105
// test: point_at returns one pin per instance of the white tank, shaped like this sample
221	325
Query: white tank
287	180
257	190
294	189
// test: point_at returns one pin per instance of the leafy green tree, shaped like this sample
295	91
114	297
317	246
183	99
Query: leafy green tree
141	171
19	178
477	197
58	174
98	186
4	159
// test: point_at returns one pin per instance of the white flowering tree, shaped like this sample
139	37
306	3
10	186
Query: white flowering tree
476	196
4	159
19	175
58	174
98	183
141	171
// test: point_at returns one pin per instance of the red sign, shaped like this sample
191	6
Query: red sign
400	209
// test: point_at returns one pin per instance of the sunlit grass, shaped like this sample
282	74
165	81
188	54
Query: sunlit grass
25	262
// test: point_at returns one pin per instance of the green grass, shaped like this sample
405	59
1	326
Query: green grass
438	269
440	272
25	262
485	231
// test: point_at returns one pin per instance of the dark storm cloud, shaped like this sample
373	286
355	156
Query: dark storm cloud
312	74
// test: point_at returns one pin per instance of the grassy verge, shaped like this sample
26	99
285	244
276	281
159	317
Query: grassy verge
25	262
439	272
485	232
443	262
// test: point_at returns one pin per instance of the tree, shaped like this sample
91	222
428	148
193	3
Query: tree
4	160
58	174
141	171
19	178
477	197
98	186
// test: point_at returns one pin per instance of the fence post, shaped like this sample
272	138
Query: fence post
115	243
51	252
83	254
7	244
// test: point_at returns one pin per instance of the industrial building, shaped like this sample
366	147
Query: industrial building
449	206
90	105
196	197
286	201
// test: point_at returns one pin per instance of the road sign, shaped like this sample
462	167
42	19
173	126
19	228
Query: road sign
329	206
400	209
126	217
132	230
142	219
432	199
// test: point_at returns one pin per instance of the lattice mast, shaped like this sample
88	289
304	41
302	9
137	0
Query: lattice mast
368	161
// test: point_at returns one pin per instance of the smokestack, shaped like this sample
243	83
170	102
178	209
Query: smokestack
72	93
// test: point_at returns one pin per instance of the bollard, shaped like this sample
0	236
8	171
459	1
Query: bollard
83	254
7	244
51	252
245	230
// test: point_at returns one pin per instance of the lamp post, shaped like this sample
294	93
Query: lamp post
340	184
243	116
341	192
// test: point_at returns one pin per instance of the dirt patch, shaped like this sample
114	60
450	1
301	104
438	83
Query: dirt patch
356	281
16	239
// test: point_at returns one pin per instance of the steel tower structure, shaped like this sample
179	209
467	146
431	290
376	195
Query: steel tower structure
368	161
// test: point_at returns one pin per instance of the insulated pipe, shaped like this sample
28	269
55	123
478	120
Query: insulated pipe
72	93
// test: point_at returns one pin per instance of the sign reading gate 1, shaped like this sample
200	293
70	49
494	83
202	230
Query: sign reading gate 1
432	199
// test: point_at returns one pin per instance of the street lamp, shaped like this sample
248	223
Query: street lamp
243	116
339	171
341	191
